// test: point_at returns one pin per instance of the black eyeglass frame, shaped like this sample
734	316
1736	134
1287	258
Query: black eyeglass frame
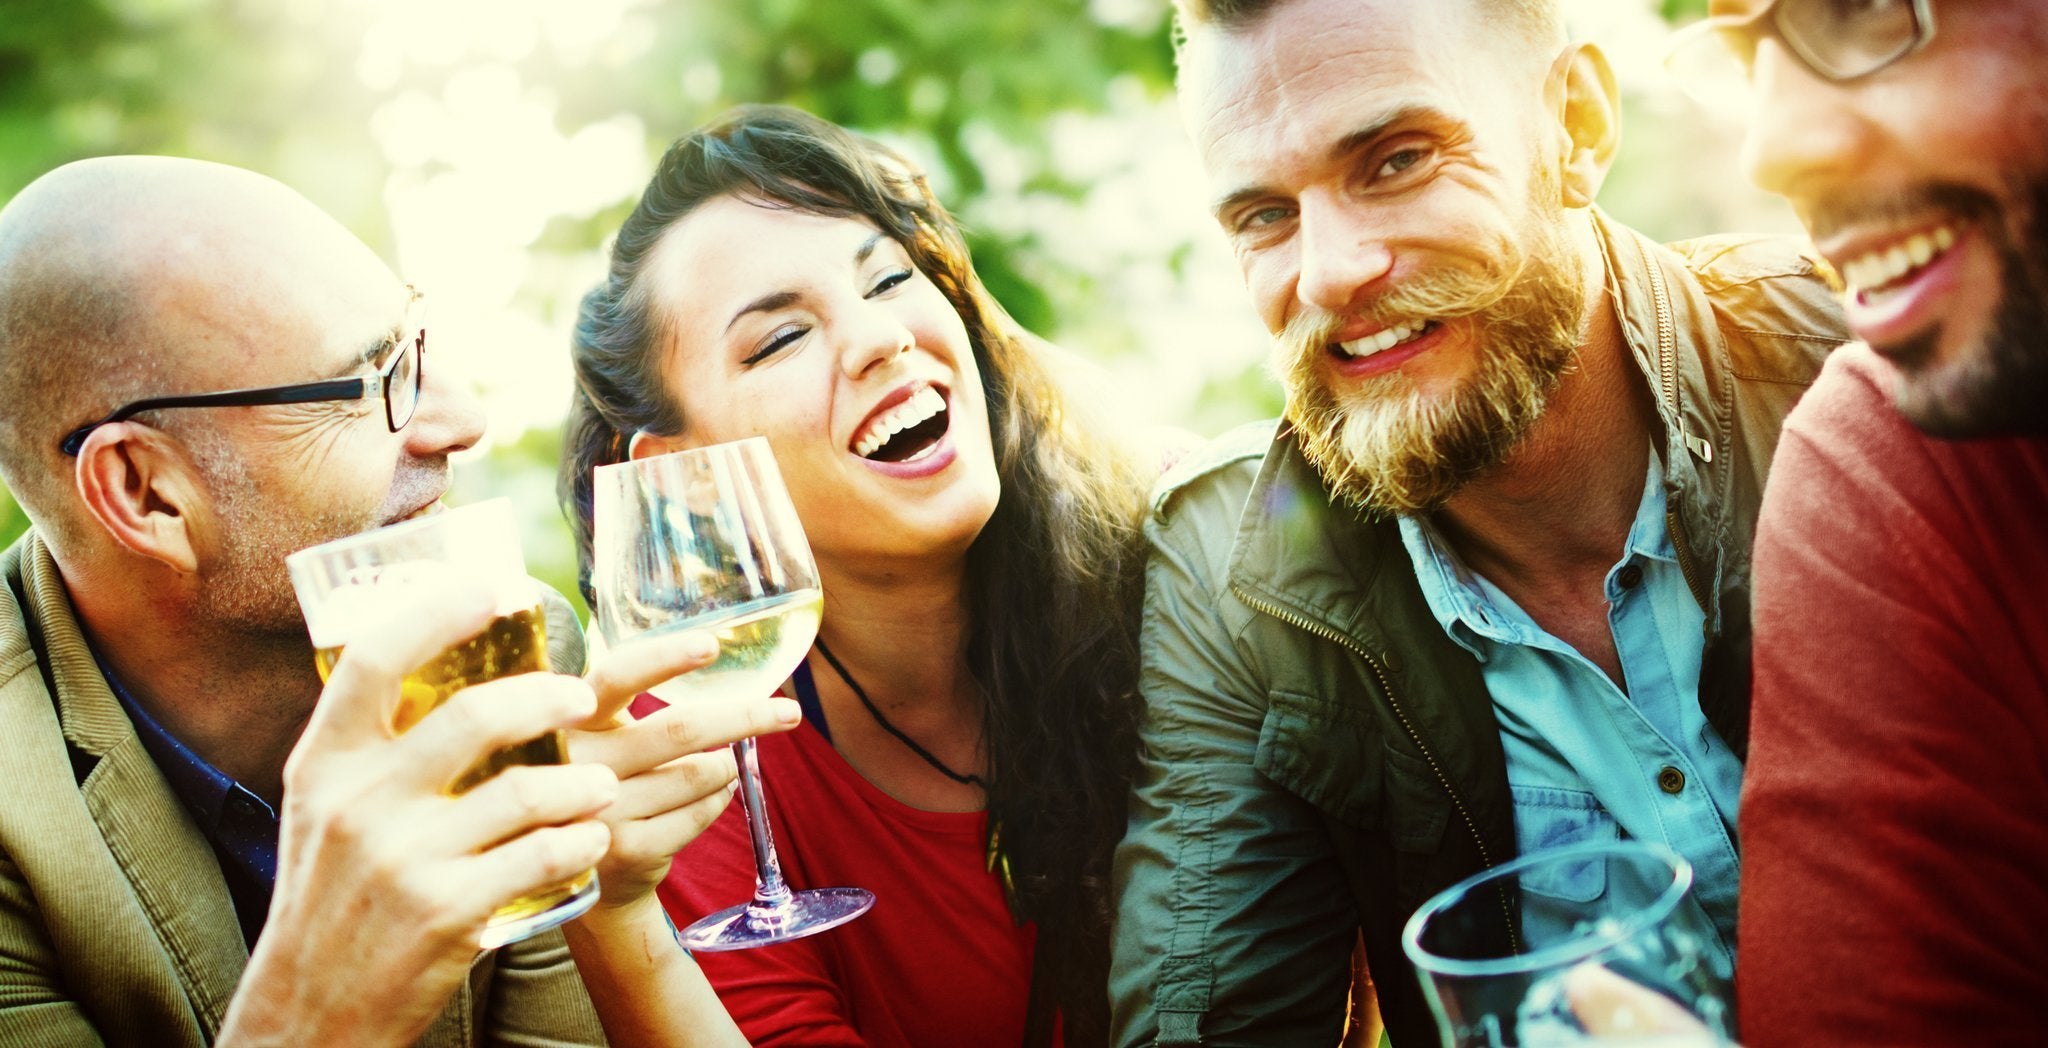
378	385
1922	12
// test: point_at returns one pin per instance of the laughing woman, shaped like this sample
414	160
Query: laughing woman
970	705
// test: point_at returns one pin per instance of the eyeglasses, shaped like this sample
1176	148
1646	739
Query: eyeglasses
397	383
1838	40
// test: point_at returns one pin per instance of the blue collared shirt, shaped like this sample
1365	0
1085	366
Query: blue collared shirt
1584	758
241	827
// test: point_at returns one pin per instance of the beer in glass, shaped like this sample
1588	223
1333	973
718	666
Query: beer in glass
347	584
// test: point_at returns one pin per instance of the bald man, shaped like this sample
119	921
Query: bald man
1485	590
155	674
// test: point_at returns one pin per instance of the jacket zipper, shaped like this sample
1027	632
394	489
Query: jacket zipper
1667	361
1687	566
1387	687
1667	374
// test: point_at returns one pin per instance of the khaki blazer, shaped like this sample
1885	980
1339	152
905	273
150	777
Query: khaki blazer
116	926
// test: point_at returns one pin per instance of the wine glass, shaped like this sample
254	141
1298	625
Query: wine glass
706	539
1504	953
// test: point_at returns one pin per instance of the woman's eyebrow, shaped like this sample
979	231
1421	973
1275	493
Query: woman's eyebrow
775	300
867	247
767	303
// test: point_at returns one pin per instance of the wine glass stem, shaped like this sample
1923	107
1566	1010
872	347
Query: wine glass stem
770	891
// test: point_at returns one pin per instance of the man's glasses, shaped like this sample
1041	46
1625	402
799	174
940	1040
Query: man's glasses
1839	40
397	383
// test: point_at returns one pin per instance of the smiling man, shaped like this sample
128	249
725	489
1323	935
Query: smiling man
167	877
1897	811
1485	589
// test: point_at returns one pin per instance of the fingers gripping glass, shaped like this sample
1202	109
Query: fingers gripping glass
1838	40
346	586
397	383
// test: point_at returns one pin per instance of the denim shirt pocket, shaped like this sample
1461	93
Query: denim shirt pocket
1552	818
1324	752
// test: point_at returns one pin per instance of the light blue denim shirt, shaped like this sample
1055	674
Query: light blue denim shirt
1586	759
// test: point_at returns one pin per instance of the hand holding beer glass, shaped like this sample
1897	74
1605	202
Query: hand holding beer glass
706	539
1573	946
347	586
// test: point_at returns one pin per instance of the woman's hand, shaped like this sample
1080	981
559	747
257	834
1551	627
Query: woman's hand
675	776
674	770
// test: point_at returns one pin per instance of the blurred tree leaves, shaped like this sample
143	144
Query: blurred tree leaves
251	83
12	521
275	86
929	77
1680	12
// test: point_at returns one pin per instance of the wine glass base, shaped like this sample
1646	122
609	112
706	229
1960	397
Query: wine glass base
563	903
748	925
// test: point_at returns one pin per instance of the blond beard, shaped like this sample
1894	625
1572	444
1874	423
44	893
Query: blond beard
1386	447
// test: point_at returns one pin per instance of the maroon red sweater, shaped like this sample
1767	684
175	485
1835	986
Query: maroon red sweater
1895	816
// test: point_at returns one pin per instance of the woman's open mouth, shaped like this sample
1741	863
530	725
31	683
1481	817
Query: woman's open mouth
905	431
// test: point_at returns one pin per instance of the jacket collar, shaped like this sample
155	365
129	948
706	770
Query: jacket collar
1297	550
93	721
1675	339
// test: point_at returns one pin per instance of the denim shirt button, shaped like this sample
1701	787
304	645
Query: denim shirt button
1670	780
1629	577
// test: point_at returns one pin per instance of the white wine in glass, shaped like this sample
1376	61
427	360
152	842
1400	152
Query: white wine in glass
706	539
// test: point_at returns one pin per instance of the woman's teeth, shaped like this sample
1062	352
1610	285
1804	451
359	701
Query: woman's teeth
1388	338
1879	270
920	408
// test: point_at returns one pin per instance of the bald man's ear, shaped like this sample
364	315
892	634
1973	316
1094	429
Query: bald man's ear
142	489
1590	111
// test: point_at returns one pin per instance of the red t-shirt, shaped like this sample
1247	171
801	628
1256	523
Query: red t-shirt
1895	816
937	963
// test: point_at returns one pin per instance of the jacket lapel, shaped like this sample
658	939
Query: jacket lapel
170	869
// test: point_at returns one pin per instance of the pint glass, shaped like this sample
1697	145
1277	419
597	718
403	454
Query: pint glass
346	584
1497	952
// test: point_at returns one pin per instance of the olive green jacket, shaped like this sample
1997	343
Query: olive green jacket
1319	756
116	926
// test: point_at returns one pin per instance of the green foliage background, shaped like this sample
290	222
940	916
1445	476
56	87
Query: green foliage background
968	87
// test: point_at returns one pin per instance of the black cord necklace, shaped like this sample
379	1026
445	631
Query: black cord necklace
861	694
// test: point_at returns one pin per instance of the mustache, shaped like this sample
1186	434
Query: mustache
1443	294
1848	210
415	485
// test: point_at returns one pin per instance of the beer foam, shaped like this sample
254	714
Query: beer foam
350	584
371	596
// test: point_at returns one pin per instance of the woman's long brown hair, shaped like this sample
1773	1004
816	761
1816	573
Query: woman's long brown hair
1054	579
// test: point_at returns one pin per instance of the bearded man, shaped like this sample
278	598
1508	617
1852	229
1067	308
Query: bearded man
1485	589
1902	572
